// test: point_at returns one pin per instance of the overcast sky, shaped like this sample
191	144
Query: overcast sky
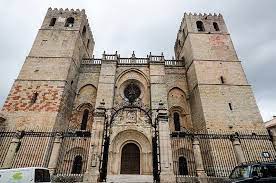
149	25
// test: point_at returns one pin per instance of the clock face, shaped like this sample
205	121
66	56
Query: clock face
132	92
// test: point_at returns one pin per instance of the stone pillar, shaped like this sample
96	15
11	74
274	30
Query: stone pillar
166	174
104	100
159	93
55	154
238	150
92	172
15	143
198	158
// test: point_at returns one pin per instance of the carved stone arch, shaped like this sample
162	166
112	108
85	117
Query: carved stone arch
135	77
184	118
137	138
132	70
76	119
131	135
83	106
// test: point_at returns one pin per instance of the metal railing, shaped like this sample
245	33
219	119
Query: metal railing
135	61
217	152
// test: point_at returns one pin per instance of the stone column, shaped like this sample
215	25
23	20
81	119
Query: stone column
166	174
238	150
15	143
198	158
55	154
104	100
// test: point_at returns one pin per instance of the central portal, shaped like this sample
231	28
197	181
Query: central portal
130	159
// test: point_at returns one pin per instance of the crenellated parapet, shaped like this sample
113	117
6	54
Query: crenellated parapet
69	20
193	23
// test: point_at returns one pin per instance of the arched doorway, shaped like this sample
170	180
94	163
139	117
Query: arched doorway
130	159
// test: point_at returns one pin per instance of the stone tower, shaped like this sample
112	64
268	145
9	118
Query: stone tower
219	93
43	94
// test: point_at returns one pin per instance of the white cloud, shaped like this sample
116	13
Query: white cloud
144	26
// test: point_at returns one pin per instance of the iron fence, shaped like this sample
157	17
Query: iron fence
35	147
218	154
73	146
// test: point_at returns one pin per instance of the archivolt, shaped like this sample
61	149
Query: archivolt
132	70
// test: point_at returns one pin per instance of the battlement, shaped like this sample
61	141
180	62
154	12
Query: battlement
65	23
58	19
199	23
61	10
190	19
203	15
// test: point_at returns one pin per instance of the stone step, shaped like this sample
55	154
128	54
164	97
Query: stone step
129	178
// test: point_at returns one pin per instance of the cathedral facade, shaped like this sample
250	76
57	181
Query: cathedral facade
125	115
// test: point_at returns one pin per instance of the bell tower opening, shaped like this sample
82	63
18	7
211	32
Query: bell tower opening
130	159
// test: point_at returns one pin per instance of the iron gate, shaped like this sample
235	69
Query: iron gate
106	141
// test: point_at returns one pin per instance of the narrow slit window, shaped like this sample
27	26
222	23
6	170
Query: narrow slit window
34	97
83	31
88	42
84	119
216	27
222	79
176	120
200	26
53	22
230	106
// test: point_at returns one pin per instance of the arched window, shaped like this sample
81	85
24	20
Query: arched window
83	31
77	165
182	166
200	26
53	22
69	22
176	121
216	27
84	119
